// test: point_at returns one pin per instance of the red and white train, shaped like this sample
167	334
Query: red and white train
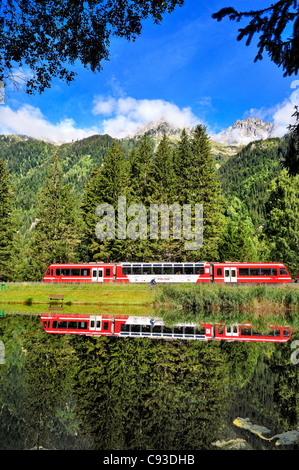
146	327
169	272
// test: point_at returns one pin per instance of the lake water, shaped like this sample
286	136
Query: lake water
67	391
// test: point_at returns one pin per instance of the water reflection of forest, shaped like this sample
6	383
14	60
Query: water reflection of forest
75	392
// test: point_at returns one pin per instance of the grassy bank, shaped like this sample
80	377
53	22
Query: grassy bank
78	294
259	304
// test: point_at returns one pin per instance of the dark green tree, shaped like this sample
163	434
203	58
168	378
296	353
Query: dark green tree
291	162
141	161
204	188
7	224
272	25
56	234
281	228
105	186
48	36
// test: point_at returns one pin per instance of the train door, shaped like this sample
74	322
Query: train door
97	275
232	330
95	323
230	274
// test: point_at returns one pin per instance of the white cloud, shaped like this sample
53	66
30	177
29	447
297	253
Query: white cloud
128	114
30	121
281	114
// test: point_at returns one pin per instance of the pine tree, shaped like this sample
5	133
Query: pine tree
182	160
140	170
7	224
198	184
282	226
56	234
105	186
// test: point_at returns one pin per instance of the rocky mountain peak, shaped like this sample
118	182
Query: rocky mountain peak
245	131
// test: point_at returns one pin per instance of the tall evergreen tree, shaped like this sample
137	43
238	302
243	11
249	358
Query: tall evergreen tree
56	234
6	223
105	186
140	170
197	177
282	222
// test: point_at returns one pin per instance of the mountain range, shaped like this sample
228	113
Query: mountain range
242	132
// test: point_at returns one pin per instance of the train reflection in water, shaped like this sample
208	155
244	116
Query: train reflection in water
148	327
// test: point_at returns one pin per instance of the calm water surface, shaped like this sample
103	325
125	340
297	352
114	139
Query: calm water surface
106	393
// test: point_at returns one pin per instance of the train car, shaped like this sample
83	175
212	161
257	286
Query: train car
88	272
129	326
122	326
163	272
276	334
265	273
201	272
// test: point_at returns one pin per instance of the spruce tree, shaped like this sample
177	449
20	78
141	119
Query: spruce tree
164	193
105	186
198	184
7	224
140	170
282	226
56	234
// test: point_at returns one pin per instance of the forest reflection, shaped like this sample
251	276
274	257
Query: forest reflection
72	391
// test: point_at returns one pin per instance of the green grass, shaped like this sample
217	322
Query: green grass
78	294
173	303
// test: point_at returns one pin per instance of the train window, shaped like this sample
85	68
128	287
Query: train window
243	272
105	325
75	272
92	324
274	272
126	269
265	272
57	272
178	269
167	330
255	272
55	324
136	269
283	272
200	331
72	324
219	271
178	330
146	329
199	270
157	269
221	330
48	272
85	272
51	272
135	328
65	272
157	329
82	325
94	273
286	333
62	324
125	327
189	330
167	269
147	269
188	269
108	271
245	331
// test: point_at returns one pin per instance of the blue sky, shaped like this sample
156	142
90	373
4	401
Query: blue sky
189	69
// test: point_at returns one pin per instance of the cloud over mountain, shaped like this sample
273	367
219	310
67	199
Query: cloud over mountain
124	116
